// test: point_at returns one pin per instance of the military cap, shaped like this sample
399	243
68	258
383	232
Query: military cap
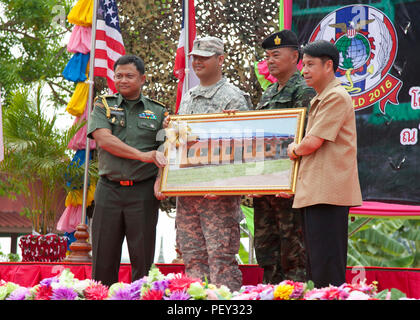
207	47
323	48
284	38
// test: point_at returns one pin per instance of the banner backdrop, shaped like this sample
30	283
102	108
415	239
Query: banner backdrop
379	66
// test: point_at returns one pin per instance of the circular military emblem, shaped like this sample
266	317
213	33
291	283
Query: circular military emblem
366	40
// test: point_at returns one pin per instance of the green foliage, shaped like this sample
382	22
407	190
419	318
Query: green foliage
32	47
372	242
247	229
36	163
384	242
393	294
249	218
9	257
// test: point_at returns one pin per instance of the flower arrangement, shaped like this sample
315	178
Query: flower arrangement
156	286
43	248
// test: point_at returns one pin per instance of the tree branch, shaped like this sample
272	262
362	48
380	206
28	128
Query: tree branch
55	93
19	32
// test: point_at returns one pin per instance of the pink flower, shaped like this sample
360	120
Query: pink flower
96	291
122	294
211	295
334	293
328	293
178	295
152	294
247	296
43	293
314	294
19	294
181	282
358	295
63	293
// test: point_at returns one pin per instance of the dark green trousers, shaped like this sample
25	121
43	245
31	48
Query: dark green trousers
278	239
123	211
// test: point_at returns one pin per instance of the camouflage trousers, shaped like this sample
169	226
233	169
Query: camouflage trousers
278	239
208	237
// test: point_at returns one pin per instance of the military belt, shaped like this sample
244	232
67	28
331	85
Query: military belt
124	183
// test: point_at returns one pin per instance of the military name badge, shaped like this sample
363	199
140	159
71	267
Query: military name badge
147	114
367	42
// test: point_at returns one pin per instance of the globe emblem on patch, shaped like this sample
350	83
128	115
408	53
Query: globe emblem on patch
354	51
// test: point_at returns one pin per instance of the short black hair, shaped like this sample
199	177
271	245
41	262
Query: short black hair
127	59
323	49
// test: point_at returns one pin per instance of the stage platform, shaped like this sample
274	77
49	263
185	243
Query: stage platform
29	274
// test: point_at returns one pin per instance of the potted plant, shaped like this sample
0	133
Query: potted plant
37	166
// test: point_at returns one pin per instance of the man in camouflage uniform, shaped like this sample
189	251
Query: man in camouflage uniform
124	127
278	228
208	227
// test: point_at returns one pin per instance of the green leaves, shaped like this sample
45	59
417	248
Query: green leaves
37	160
393	294
384	242
31	45
249	218
373	242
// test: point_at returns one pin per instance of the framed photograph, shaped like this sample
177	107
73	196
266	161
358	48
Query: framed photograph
232	153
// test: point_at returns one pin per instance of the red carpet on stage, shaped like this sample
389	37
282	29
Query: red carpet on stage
29	274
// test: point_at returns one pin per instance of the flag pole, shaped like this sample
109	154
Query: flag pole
187	44
81	247
89	106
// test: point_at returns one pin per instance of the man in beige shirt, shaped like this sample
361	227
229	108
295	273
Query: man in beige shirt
328	182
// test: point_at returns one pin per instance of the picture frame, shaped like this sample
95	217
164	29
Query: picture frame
238	153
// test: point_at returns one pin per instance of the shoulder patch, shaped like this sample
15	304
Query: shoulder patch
98	102
101	97
105	104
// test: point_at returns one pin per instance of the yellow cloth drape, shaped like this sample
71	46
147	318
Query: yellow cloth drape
82	13
75	197
77	103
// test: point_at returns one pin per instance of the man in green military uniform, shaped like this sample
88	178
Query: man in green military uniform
124	127
278	228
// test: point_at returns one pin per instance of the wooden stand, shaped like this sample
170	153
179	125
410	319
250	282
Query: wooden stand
81	247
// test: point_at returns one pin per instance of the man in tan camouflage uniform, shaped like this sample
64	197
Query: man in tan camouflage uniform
208	227
278	228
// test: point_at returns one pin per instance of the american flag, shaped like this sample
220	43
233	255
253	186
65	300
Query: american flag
109	42
179	68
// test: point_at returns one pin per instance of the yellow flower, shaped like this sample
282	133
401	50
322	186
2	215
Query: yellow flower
283	292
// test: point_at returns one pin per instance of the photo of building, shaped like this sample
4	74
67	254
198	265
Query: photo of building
225	148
